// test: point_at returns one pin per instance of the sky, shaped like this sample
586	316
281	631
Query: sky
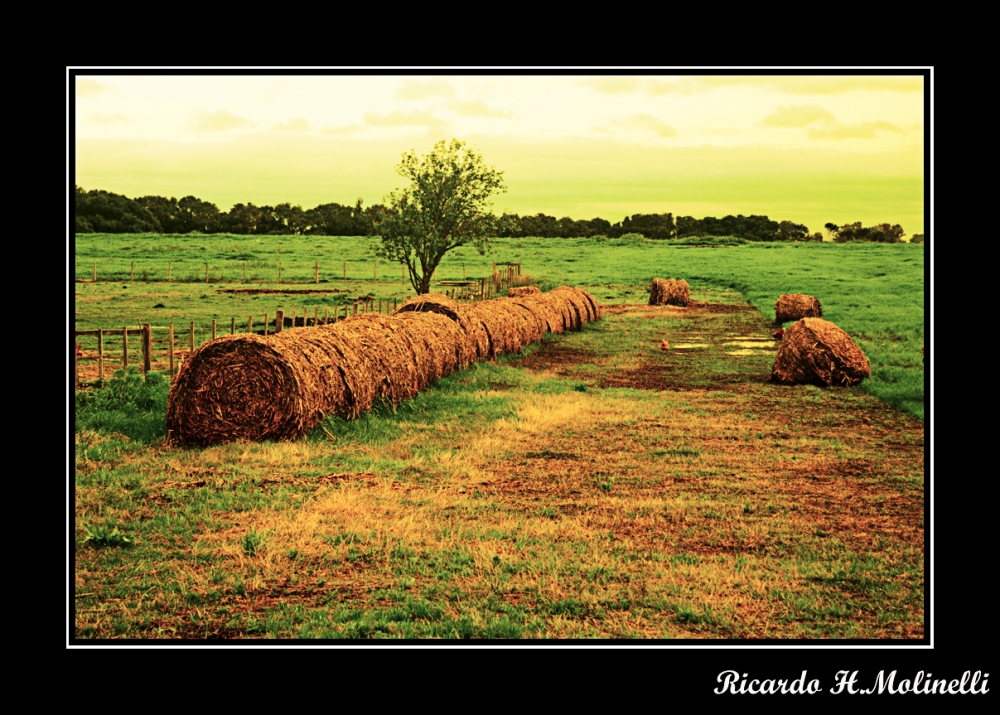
810	148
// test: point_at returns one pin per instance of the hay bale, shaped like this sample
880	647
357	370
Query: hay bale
541	307
476	344
815	351
385	354
254	388
437	342
795	306
587	307
669	292
517	292
431	302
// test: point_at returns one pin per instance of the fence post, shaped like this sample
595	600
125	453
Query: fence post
124	346
192	336
232	327
393	305
316	317
147	348
213	328
95	271
316	276
171	349
326	315
249	323
293	318
279	320
355	308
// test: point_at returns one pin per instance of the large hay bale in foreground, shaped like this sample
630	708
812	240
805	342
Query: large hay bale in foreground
795	306
254	388
815	351
517	292
669	292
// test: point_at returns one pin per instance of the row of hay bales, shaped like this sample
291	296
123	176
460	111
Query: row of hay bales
281	386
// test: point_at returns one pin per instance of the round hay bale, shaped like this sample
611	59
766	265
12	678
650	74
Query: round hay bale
519	291
795	306
583	299
437	343
386	355
815	351
254	388
542	309
431	302
476	344
669	292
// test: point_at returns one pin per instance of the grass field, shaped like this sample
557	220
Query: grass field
594	486
873	291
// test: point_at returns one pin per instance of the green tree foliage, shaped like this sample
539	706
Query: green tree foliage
917	238
659	226
445	206
105	212
880	233
751	228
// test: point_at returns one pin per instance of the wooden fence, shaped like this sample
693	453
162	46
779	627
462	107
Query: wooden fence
465	290
508	274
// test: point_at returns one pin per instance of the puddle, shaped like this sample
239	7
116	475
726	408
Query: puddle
688	346
756	343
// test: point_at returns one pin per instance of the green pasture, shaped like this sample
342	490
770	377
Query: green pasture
873	291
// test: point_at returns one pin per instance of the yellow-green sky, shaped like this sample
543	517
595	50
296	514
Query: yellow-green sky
810	149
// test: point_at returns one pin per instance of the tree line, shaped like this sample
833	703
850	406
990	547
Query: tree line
99	211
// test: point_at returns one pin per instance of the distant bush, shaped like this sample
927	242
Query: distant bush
708	241
917	238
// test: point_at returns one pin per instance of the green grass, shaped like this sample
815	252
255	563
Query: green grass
873	291
614	491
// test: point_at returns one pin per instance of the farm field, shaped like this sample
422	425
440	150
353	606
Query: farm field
594	486
873	291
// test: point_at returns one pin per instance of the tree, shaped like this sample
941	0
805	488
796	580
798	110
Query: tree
445	206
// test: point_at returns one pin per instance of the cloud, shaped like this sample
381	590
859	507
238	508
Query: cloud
418	117
648	123
796	115
298	124
865	130
115	118
612	85
792	84
478	108
221	120
337	131
87	87
423	90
